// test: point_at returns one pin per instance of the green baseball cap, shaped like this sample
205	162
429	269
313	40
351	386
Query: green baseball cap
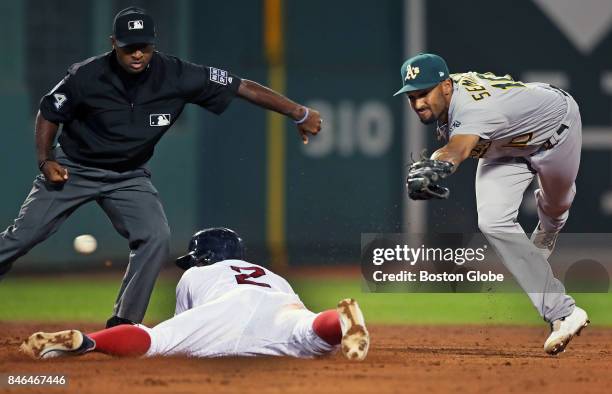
422	71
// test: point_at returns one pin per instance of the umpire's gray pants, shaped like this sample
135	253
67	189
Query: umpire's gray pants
132	204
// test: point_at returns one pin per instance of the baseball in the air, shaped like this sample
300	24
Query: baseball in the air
85	244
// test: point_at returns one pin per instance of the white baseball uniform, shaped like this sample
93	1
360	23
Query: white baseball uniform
525	129
235	308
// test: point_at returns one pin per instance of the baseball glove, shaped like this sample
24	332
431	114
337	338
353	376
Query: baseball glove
422	178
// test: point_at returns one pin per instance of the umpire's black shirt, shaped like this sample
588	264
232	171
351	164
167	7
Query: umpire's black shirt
113	120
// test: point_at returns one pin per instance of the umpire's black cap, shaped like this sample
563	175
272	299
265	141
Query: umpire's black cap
133	26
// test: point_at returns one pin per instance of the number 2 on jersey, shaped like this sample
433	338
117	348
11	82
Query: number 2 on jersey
245	279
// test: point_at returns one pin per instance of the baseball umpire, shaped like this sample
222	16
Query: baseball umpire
517	131
114	108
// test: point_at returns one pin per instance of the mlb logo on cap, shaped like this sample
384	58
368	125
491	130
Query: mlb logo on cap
135	25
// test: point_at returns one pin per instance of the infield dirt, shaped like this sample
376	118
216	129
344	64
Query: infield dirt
402	359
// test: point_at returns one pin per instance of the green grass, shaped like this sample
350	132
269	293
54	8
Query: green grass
443	308
91	299
82	299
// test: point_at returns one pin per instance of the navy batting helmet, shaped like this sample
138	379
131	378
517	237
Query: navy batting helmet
211	245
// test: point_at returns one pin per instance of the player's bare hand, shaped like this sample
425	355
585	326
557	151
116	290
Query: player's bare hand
54	172
311	125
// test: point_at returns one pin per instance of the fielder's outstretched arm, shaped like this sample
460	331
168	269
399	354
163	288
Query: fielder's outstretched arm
458	149
309	120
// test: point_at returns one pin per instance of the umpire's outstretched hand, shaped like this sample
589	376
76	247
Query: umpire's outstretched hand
312	125
54	172
308	120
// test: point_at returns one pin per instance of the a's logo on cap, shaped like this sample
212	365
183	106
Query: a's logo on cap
135	25
440	73
411	72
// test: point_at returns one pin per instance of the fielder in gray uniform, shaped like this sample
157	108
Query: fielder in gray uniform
518	131
114	108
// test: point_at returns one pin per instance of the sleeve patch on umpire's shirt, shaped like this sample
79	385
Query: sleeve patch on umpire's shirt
60	99
159	119
218	76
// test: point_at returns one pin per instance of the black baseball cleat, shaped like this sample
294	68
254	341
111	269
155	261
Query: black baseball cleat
57	344
117	321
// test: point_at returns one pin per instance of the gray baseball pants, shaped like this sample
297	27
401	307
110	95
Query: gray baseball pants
132	204
500	185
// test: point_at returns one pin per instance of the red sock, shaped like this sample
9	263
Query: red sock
124	340
327	326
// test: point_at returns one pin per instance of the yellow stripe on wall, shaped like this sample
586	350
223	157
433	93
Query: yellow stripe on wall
275	124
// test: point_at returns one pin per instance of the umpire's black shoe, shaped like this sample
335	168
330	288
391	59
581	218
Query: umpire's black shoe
117	321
